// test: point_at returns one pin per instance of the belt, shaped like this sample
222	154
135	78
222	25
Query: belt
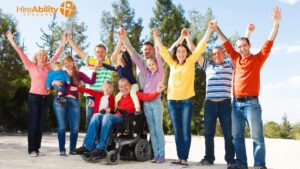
244	98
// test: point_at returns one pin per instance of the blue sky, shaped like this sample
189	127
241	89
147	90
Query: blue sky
280	76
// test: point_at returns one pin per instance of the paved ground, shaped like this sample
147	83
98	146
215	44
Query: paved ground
281	154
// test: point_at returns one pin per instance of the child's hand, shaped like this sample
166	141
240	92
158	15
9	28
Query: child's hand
107	110
73	88
160	87
91	103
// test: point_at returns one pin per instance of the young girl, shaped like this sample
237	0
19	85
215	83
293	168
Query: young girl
38	99
124	69
153	74
181	91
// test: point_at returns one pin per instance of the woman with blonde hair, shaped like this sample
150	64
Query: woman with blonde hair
38	99
70	110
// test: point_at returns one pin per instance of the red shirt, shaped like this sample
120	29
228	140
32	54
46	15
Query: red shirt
127	104
246	81
98	95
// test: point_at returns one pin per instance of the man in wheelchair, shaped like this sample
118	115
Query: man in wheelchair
101	124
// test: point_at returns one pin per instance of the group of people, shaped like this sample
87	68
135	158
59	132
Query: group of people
103	109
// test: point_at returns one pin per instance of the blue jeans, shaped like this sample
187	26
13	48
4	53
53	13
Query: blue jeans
212	111
248	111
154	115
181	115
38	106
69	110
101	123
89	110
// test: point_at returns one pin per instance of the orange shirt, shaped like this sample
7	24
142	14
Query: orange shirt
246	80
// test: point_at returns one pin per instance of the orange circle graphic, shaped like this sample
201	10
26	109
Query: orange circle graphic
68	9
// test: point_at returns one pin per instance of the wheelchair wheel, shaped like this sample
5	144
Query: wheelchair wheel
112	157
142	149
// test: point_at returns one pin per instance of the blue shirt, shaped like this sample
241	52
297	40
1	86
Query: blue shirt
218	79
124	72
59	75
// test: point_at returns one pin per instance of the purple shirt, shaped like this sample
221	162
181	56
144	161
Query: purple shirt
81	77
151	79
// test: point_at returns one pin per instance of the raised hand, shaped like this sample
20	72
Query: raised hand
251	27
185	32
160	87
10	36
276	14
66	38
155	33
213	24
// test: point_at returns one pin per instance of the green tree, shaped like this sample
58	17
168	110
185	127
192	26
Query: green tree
123	16
286	128
14	79
50	40
271	130
296	131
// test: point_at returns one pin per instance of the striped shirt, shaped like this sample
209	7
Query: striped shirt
218	79
102	74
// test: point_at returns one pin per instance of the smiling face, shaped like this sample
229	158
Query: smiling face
181	54
41	57
218	55
152	65
148	50
107	88
124	86
100	53
69	63
243	47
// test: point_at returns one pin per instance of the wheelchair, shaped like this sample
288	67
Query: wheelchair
129	140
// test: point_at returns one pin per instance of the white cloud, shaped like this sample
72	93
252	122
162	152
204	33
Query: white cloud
291	2
294	81
286	49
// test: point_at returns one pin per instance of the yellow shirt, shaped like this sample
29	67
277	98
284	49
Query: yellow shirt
182	77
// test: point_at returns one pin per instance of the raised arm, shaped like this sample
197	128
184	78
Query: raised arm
202	44
276	14
117	51
60	48
163	50
250	30
76	48
184	33
122	34
221	35
24	58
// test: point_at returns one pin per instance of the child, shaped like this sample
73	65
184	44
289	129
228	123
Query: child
104	100
59	75
153	74
124	69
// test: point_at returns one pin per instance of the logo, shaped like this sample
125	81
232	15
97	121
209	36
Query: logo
67	9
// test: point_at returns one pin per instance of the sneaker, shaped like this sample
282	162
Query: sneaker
62	153
205	162
33	154
73	153
40	153
95	154
260	167
154	159
235	166
175	163
184	164
160	159
81	150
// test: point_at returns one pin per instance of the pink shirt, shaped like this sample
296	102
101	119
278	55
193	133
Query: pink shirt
38	74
